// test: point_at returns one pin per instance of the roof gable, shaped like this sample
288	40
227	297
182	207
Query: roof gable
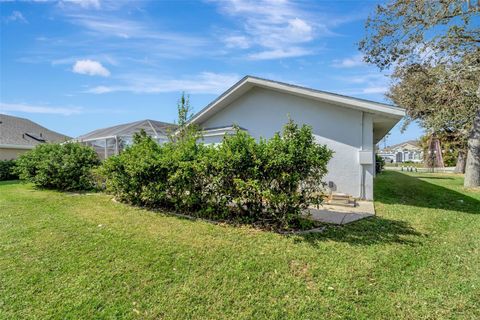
248	82
407	145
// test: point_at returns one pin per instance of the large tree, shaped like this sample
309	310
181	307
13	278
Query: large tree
443	33
442	102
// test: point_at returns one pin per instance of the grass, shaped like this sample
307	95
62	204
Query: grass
84	256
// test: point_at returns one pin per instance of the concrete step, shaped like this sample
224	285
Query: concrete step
346	201
342	204
340	199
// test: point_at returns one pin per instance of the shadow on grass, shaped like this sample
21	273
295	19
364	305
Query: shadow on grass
369	231
396	188
399	188
434	178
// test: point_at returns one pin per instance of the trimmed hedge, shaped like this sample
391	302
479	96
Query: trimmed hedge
7	170
64	167
268	182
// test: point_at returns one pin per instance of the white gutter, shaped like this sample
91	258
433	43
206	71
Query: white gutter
16	146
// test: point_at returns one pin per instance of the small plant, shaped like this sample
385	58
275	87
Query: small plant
64	167
379	164
7	170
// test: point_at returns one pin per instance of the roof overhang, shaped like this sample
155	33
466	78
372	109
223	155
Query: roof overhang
385	116
382	124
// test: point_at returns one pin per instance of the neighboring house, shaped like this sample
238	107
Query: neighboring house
112	140
18	135
409	151
349	126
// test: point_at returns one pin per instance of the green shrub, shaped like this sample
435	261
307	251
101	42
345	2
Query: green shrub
379	164
7	170
268	182
292	169
137	176
59	166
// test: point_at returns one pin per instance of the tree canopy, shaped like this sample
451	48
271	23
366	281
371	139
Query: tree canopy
411	31
437	97
433	48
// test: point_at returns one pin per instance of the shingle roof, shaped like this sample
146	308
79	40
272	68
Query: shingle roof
23	132
415	143
151	127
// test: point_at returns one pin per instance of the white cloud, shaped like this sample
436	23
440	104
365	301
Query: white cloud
108	26
300	29
368	83
366	78
16	16
85	3
279	53
375	89
350	62
237	42
145	39
128	29
90	67
277	28
204	83
101	36
101	58
101	89
19	107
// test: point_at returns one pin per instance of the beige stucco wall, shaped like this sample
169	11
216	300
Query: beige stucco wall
8	154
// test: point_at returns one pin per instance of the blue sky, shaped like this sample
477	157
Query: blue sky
79	65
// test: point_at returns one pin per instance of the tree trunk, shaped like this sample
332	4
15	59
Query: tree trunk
472	168
461	162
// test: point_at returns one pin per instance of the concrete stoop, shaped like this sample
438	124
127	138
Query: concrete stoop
342	214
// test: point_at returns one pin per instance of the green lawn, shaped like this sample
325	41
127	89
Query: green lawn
84	256
411	164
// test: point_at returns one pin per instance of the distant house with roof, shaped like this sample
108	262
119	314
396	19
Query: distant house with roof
408	151
112	140
18	135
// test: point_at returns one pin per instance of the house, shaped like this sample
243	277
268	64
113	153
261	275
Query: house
18	135
351	127
112	140
409	151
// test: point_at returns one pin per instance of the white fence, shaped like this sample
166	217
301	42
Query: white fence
414	169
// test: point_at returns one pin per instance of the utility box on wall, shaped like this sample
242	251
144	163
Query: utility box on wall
365	157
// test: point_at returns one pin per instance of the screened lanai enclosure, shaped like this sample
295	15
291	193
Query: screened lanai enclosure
111	141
